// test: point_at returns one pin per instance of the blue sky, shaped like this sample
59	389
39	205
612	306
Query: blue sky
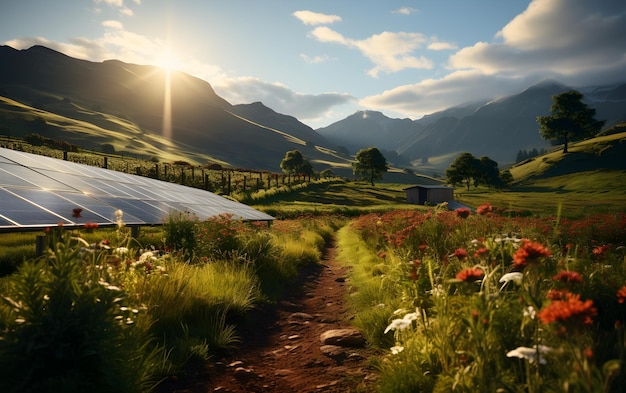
322	60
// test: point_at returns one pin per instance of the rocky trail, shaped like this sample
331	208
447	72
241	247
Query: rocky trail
305	344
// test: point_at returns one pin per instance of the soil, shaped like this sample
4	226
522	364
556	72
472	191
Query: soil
280	348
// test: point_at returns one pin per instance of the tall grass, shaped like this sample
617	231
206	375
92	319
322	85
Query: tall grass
491	303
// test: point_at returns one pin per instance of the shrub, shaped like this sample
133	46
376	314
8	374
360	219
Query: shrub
67	326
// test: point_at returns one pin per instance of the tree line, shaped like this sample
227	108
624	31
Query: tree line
569	120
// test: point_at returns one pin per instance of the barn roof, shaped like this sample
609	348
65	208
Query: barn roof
430	186
38	192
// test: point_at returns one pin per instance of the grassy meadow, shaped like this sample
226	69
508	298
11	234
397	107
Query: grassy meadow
523	293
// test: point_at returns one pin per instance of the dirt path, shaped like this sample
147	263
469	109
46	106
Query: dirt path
281	349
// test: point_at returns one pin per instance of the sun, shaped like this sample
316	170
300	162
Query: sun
168	60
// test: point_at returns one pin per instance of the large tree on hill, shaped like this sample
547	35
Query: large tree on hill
570	120
294	163
370	164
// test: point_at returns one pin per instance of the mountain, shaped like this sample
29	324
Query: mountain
147	111
369	128
141	109
497	129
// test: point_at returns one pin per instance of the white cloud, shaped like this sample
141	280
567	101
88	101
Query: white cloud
405	11
314	59
314	18
124	10
114	24
282	99
439	45
390	52
576	42
432	95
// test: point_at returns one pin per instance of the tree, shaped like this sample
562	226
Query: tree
327	173
464	168
294	163
570	120
489	174
370	164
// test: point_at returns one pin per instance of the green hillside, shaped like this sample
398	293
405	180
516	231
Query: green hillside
591	177
604	153
90	129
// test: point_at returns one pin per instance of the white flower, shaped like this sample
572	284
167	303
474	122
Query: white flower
396	350
530	354
398	324
401	324
147	256
121	251
437	291
516	277
530	312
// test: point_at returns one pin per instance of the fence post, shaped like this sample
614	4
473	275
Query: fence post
106	163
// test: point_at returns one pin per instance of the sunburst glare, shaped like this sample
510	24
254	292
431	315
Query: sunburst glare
168	62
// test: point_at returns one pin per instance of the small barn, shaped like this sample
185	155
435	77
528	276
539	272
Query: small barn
420	194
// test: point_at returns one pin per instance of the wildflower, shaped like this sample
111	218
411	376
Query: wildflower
121	251
568	310
470	274
599	251
118	218
401	324
382	255
90	226
462	212
516	277
76	212
568	277
460	253
530	312
484	209
555	294
396	349
483	251
621	294
531	354
530	252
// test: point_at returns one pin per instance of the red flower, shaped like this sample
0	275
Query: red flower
530	252
569	310
76	212
460	253
462	212
481	252
484	209
90	226
568	277
555	294
600	251
621	294
470	274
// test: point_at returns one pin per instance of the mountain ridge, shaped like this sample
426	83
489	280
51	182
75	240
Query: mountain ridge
127	101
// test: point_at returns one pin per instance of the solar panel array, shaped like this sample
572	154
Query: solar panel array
39	192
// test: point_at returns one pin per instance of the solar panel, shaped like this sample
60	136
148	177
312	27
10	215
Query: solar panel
38	192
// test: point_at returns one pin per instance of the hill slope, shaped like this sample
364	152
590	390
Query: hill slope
133	105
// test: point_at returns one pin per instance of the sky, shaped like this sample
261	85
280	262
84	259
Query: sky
322	60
